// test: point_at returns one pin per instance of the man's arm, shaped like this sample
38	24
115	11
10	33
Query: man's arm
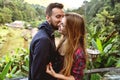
40	58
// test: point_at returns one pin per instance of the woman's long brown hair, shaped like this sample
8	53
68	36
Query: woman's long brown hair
75	29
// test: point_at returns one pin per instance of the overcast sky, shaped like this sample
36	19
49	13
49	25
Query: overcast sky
71	4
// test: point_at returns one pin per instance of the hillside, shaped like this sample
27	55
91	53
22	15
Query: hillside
13	38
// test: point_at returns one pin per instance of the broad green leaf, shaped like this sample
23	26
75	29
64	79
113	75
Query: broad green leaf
95	77
25	68
99	45
18	72
107	48
118	63
110	61
94	44
5	70
13	70
7	58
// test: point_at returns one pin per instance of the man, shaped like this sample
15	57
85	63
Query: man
42	47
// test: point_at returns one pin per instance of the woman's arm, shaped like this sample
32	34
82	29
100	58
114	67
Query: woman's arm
50	71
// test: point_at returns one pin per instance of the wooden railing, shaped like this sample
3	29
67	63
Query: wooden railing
100	70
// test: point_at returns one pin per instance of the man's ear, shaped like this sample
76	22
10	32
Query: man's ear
47	17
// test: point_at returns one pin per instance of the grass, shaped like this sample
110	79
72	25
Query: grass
13	39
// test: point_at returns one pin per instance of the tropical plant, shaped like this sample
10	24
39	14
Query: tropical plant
14	64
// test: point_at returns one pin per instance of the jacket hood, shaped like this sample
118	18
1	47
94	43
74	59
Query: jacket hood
47	27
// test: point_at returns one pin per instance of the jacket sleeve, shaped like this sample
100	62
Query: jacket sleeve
40	58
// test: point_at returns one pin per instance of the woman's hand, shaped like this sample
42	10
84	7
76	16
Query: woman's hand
50	70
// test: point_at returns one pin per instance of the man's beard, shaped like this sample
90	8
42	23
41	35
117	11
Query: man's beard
54	27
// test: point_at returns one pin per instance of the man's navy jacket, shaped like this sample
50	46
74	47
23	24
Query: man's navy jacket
43	51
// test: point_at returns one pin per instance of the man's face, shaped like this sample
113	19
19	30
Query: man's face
56	17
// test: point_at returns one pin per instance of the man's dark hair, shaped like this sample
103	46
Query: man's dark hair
51	6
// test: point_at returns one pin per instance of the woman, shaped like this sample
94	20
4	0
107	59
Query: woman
72	47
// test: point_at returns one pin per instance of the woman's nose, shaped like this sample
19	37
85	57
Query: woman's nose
59	24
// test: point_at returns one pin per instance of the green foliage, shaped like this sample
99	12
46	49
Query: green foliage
14	64
5	70
19	10
10	36
107	57
17	15
118	63
5	15
116	12
95	77
102	23
18	56
35	23
57	34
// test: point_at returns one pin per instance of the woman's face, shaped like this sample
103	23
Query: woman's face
61	28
